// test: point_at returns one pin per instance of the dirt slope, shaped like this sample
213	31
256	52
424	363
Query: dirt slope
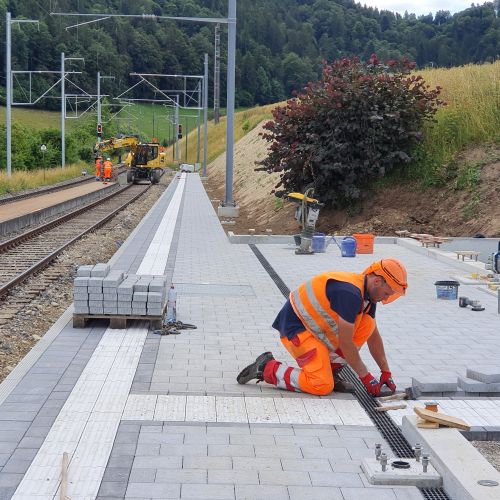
445	211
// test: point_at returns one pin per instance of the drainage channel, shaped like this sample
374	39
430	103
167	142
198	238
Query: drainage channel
389	430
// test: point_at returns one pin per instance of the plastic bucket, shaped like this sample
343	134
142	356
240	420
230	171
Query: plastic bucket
348	247
364	242
318	243
447	290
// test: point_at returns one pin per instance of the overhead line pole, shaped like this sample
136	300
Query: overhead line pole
205	115
8	95
231	82
63	113
8	84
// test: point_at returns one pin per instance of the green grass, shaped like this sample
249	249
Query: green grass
22	180
36	118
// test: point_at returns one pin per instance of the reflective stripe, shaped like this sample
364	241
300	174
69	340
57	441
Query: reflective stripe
294	379
311	324
319	308
280	376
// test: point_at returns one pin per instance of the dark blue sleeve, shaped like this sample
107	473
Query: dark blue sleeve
345	299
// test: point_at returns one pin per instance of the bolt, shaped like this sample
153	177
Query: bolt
425	461
418	451
383	461
378	451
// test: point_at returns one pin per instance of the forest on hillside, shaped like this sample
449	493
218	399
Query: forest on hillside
280	44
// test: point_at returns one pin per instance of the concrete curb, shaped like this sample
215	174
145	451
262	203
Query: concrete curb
27	220
458	462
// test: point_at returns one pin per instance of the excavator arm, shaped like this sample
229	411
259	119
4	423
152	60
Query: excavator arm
129	141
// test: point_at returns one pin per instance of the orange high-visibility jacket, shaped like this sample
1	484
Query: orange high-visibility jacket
312	306
108	168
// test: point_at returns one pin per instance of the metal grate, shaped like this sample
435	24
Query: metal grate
274	275
434	494
389	430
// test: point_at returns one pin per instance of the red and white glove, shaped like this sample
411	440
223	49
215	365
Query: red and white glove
371	384
386	379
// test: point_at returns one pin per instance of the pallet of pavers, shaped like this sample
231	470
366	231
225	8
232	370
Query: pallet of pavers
101	293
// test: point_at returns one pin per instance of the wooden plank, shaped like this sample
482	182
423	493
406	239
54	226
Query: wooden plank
391	407
425	424
441	418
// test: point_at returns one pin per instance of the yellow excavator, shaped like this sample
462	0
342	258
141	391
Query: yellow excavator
144	161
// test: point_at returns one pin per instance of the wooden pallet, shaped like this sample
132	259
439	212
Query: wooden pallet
117	321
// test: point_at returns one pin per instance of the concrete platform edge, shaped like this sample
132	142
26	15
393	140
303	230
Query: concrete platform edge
458	462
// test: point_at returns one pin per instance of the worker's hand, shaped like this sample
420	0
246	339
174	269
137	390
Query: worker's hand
386	379
371	384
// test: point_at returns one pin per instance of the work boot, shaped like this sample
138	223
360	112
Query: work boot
255	370
341	385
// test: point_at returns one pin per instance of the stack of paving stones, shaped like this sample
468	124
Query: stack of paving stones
98	290
483	381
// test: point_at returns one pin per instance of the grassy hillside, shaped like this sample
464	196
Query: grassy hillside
36	118
471	117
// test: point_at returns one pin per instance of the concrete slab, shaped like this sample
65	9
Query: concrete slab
413	476
458	462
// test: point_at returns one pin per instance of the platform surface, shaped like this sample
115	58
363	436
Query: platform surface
144	416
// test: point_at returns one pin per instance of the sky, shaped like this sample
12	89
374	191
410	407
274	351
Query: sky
420	7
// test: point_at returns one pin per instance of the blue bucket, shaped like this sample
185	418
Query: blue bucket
447	290
318	243
348	247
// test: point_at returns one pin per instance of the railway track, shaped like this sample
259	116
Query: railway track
24	255
53	189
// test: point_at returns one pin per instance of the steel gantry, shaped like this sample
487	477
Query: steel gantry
231	74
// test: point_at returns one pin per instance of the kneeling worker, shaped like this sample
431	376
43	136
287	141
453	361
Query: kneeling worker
324	323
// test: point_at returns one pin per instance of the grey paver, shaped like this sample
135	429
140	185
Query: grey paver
142	475
318	493
182	476
262	492
113	489
236	477
152	490
206	491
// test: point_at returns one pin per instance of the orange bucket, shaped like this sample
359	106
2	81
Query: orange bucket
364	242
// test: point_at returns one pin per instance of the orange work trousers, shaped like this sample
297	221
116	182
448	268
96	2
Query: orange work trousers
313	357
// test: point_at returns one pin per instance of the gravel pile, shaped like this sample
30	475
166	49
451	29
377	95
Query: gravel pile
490	450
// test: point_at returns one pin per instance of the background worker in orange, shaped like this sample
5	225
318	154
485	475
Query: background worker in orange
108	169
324	323
98	168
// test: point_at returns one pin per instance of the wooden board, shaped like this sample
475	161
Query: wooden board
390	407
441	418
425	424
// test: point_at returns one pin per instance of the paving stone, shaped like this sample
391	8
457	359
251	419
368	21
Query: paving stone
158	462
318	493
306	465
262	492
153	490
284	478
113	489
260	464
115	474
367	494
142	475
206	491
182	476
471	385
233	477
213	463
486	374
